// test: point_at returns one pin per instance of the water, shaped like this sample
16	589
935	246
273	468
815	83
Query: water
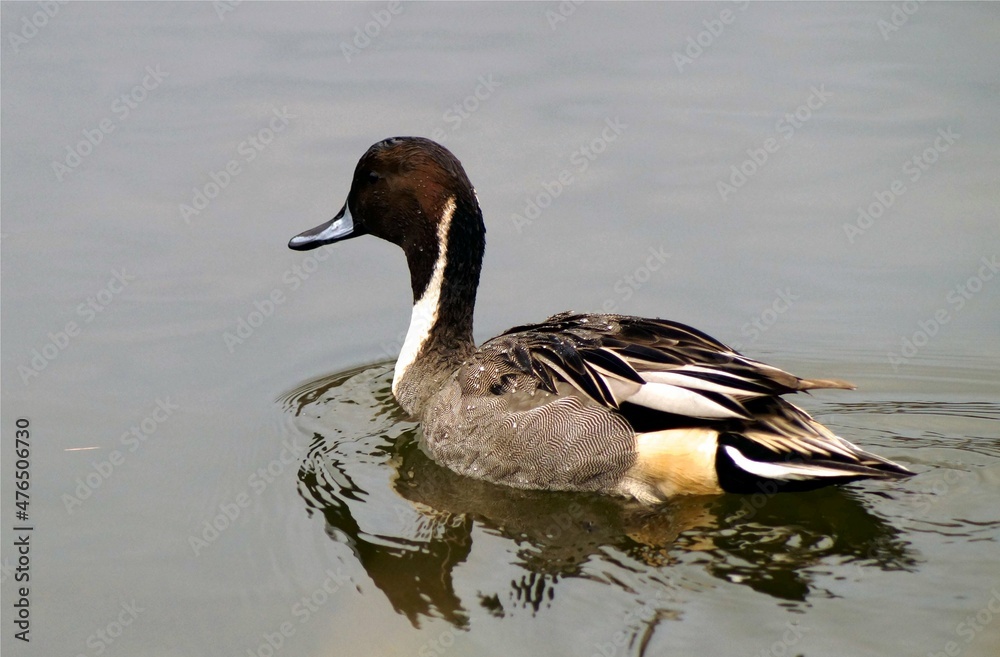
213	377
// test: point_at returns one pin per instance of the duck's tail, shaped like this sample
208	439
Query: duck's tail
743	466
781	449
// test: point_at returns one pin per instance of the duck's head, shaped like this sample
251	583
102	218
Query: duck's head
401	191
414	193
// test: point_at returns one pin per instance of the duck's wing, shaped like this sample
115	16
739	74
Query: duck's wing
657	364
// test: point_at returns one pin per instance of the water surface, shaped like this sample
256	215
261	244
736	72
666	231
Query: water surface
215	446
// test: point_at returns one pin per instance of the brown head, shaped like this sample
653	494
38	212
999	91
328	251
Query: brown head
401	191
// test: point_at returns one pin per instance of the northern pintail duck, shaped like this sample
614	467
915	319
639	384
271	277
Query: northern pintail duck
639	407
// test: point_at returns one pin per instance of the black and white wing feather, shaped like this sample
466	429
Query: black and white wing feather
658	364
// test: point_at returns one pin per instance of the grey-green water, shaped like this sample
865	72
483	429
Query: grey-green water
217	466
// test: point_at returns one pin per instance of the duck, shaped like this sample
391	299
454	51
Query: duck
605	403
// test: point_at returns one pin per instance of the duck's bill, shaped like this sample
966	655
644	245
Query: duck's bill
341	227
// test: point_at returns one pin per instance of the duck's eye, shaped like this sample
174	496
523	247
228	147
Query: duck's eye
373	177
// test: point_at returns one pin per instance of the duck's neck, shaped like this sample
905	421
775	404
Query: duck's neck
444	297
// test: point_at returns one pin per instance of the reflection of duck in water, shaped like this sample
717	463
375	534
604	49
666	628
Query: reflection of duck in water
642	408
413	523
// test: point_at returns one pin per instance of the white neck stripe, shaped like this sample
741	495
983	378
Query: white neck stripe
425	309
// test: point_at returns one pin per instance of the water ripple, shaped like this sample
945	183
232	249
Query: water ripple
410	523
